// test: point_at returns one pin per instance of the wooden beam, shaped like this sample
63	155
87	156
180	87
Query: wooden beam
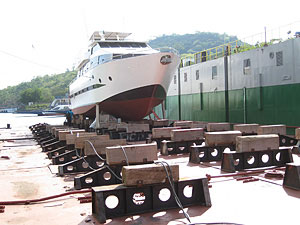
272	129
247	128
221	138
140	153
70	138
187	134
147	174
183	124
100	145
211	127
80	141
62	133
257	143
163	132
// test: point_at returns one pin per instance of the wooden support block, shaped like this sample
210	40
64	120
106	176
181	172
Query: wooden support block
100	145
199	124
141	153
221	138
272	129
147	174
62	133
53	129
247	128
79	141
137	127
257	143
159	123
183	124
163	132
297	133
211	127
187	134
121	127
49	127
70	138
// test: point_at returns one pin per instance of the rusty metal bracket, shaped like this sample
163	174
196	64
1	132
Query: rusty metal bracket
172	147
207	154
99	177
237	161
148	198
292	176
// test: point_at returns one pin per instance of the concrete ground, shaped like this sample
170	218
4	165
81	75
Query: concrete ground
27	174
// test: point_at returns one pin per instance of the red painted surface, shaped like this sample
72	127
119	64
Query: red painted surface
132	110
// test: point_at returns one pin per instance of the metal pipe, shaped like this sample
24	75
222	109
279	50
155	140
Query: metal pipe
26	202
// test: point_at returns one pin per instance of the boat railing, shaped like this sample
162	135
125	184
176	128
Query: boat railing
168	49
263	39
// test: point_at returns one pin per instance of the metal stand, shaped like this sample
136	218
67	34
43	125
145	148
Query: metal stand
235	161
80	165
56	152
64	157
135	136
287	141
53	145
207	154
99	177
292	176
172	147
137	200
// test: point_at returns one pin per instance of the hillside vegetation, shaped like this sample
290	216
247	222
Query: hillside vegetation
43	89
191	43
38	90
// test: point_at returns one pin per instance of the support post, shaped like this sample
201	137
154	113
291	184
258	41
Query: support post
97	116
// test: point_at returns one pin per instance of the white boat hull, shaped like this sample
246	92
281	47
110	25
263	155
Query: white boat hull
127	88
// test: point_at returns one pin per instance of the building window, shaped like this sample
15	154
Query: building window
279	58
197	74
175	81
185	77
247	67
214	72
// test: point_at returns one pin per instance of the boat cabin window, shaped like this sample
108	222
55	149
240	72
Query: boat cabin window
95	48
214	72
122	45
197	74
247	67
279	58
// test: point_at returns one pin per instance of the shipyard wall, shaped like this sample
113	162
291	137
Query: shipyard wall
263	86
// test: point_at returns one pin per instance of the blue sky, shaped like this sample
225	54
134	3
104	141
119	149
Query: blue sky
47	37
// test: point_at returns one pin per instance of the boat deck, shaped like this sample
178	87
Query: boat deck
28	174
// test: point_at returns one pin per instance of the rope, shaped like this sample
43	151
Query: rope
171	182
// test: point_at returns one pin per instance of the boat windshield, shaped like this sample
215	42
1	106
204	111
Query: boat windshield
122	45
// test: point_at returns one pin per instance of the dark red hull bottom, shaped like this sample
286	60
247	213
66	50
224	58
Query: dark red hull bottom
131	105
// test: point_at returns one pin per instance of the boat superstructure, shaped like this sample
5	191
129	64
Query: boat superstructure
126	78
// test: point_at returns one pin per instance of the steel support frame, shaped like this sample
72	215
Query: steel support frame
126	206
235	161
208	154
56	152
65	157
292	176
99	177
53	146
177	147
80	165
287	141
